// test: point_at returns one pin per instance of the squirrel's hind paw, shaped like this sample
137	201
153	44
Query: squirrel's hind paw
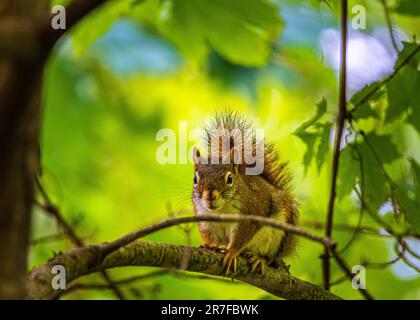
257	263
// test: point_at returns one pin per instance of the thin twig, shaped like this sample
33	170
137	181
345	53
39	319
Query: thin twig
340	280
343	265
389	24
380	265
341	117
368	230
403	257
109	247
374	215
47	238
70	232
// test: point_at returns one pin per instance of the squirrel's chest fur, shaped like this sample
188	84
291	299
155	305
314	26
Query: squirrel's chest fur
267	240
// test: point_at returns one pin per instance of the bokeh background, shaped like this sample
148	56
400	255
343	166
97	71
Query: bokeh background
129	70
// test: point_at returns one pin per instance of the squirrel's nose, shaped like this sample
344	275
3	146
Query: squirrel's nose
211	195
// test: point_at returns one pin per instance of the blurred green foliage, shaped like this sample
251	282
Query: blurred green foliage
135	67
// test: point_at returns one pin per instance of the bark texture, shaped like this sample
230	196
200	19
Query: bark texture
20	82
86	260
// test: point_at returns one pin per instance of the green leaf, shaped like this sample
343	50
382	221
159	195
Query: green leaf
317	142
239	30
382	147
364	112
411	209
397	222
414	117
324	144
409	197
407	50
401	92
376	190
348	172
408	7
97	24
321	108
416	178
363	162
359	95
402	89
309	139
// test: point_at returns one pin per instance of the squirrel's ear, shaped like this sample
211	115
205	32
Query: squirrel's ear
196	156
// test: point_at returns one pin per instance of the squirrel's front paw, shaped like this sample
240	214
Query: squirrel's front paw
229	262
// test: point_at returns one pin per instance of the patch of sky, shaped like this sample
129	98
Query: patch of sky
127	48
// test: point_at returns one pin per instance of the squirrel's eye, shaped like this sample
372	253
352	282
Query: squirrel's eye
229	179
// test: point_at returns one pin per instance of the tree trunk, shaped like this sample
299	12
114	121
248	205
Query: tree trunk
20	97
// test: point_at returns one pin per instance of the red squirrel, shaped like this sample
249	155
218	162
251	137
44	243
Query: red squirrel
223	186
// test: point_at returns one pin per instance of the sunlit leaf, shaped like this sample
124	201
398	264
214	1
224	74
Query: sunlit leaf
365	111
239	30
98	23
372	177
403	88
361	94
324	144
382	147
409	198
401	92
410	208
416	177
363	162
321	108
408	7
348	172
397	222
407	50
309	139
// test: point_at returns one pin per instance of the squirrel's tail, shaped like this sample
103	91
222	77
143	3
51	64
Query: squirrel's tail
231	123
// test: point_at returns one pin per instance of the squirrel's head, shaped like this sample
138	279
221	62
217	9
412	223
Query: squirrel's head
214	183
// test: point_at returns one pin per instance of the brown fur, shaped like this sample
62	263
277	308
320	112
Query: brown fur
268	194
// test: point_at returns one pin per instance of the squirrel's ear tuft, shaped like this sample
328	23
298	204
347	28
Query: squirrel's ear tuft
236	168
196	156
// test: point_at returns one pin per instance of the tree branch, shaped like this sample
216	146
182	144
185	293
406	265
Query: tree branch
145	276
83	261
342	115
